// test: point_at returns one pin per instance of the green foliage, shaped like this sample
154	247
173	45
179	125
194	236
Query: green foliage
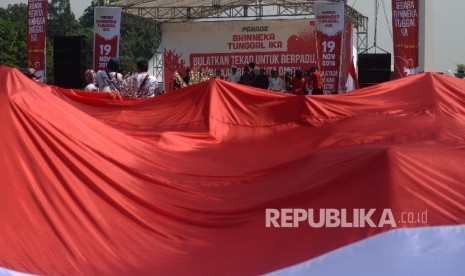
16	12
13	34
139	37
8	47
87	18
61	21
461	68
86	23
49	60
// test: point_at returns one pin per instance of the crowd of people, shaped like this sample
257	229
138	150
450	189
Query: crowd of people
138	85
252	75
143	85
297	83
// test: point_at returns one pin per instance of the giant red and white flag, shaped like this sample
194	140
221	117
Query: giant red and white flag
36	36
329	23
405	29
225	179
107	26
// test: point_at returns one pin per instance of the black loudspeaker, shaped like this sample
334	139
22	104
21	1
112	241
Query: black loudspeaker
374	68
69	61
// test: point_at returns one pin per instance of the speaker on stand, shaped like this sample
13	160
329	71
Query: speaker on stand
69	61
373	68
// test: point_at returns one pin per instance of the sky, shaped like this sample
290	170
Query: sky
448	48
77	6
448	36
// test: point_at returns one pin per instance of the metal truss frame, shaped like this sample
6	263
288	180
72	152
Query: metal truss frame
237	11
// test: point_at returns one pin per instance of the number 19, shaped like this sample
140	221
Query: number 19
105	49
328	45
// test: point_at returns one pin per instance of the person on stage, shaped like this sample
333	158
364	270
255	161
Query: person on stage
316	80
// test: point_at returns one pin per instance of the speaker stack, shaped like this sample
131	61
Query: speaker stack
373	68
69	61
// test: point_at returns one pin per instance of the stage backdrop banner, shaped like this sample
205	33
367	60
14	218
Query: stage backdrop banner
405	37
36	34
107	26
329	32
271	44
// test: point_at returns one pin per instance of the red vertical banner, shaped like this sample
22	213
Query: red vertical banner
36	36
347	58
107	27
329	23
405	27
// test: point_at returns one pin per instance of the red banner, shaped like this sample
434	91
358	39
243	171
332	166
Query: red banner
329	23
284	46
347	59
107	22
36	36
406	37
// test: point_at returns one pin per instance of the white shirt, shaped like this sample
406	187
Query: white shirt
110	82
137	88
234	77
275	84
91	88
255	70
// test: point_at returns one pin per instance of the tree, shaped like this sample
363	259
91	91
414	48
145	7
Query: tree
140	39
13	34
8	46
16	12
86	23
61	21
461	68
